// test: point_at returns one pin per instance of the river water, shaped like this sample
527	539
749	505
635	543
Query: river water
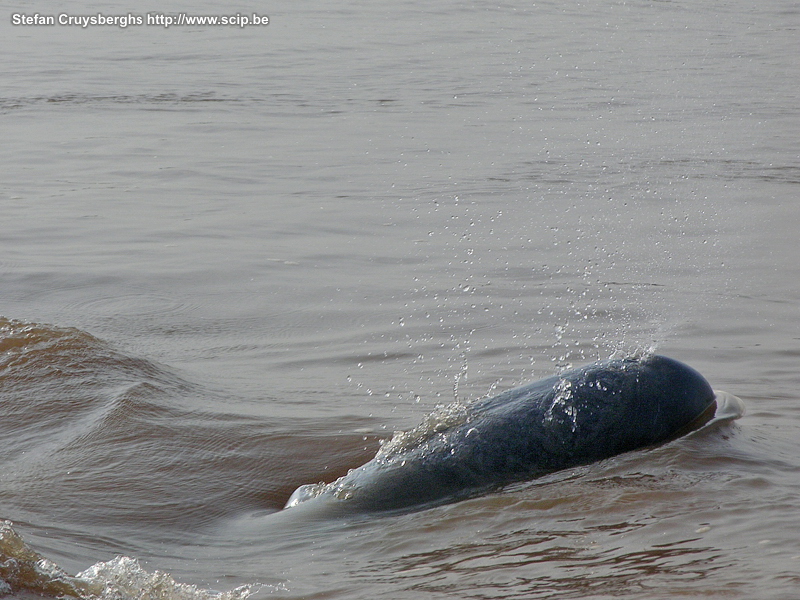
233	260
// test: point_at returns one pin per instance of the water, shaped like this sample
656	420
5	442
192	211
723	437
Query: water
234	260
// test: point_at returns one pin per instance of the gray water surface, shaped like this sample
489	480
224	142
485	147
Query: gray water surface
235	259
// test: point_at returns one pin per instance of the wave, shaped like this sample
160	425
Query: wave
22	569
124	456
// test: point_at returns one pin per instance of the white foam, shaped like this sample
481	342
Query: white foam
729	407
24	569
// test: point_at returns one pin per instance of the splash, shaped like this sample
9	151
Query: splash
441	419
22	569
729	407
123	579
438	421
562	408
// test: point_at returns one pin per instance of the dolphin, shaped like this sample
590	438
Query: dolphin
574	418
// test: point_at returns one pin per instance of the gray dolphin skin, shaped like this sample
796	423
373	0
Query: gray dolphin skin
578	417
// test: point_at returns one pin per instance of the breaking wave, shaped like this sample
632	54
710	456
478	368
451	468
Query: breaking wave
22	569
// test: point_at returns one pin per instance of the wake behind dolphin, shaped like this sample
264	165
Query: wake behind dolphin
578	417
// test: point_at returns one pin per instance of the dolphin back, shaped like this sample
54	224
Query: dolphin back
578	417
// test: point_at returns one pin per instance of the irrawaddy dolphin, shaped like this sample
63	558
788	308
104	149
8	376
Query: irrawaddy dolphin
574	418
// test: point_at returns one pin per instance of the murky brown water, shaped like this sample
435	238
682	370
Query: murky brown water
234	260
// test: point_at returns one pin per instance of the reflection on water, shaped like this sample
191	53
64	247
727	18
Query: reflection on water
566	563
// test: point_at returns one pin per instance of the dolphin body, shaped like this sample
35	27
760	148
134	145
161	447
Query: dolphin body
578	417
